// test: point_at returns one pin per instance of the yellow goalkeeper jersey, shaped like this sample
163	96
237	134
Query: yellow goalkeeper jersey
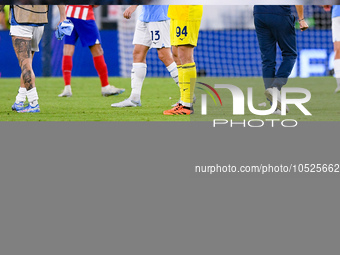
185	12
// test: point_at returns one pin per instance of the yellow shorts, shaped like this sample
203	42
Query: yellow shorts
183	32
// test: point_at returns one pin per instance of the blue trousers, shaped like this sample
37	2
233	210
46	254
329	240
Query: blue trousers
272	29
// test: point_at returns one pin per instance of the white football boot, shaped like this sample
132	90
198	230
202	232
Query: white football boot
110	90
127	103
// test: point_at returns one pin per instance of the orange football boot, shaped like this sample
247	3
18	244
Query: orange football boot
179	110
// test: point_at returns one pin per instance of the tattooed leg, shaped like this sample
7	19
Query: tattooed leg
22	83
22	48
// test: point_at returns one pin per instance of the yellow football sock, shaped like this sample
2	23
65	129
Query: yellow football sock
180	79
188	84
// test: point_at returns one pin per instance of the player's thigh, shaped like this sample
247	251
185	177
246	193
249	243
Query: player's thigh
21	31
139	53
160	34
174	50
37	35
72	39
265	37
336	32
184	32
337	49
88	32
142	35
96	50
186	54
165	55
22	48
22	42
286	36
68	49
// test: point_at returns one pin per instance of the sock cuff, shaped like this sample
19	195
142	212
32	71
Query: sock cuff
67	57
32	90
98	57
32	95
171	67
189	65
139	65
337	68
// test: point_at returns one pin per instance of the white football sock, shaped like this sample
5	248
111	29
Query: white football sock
32	96
173	72
67	88
21	97
337	71
138	74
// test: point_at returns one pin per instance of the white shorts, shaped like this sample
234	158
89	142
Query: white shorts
336	29
153	34
34	33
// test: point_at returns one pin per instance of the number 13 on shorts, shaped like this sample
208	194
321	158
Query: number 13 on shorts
155	35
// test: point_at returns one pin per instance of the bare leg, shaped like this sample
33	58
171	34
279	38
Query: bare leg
139	53
23	51
68	50
67	65
186	54
337	65
165	55
22	48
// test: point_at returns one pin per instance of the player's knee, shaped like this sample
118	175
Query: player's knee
290	54
97	50
186	59
139	56
26	63
68	50
290	57
337	54
164	55
176	59
337	50
186	54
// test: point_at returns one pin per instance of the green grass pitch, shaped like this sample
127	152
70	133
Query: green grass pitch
87	103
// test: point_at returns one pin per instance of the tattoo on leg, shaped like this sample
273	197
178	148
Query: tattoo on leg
22	48
27	77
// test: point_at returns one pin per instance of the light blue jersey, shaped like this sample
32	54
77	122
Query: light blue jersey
154	13
335	11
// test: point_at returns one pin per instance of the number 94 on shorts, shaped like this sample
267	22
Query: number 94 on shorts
184	32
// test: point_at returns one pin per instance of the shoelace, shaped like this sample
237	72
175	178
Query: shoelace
178	107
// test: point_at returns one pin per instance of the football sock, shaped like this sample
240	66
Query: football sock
180	81
100	65
32	96
188	85
173	72
67	69
138	74
67	88
21	97
337	71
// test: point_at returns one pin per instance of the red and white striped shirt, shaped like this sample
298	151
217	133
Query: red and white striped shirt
84	12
